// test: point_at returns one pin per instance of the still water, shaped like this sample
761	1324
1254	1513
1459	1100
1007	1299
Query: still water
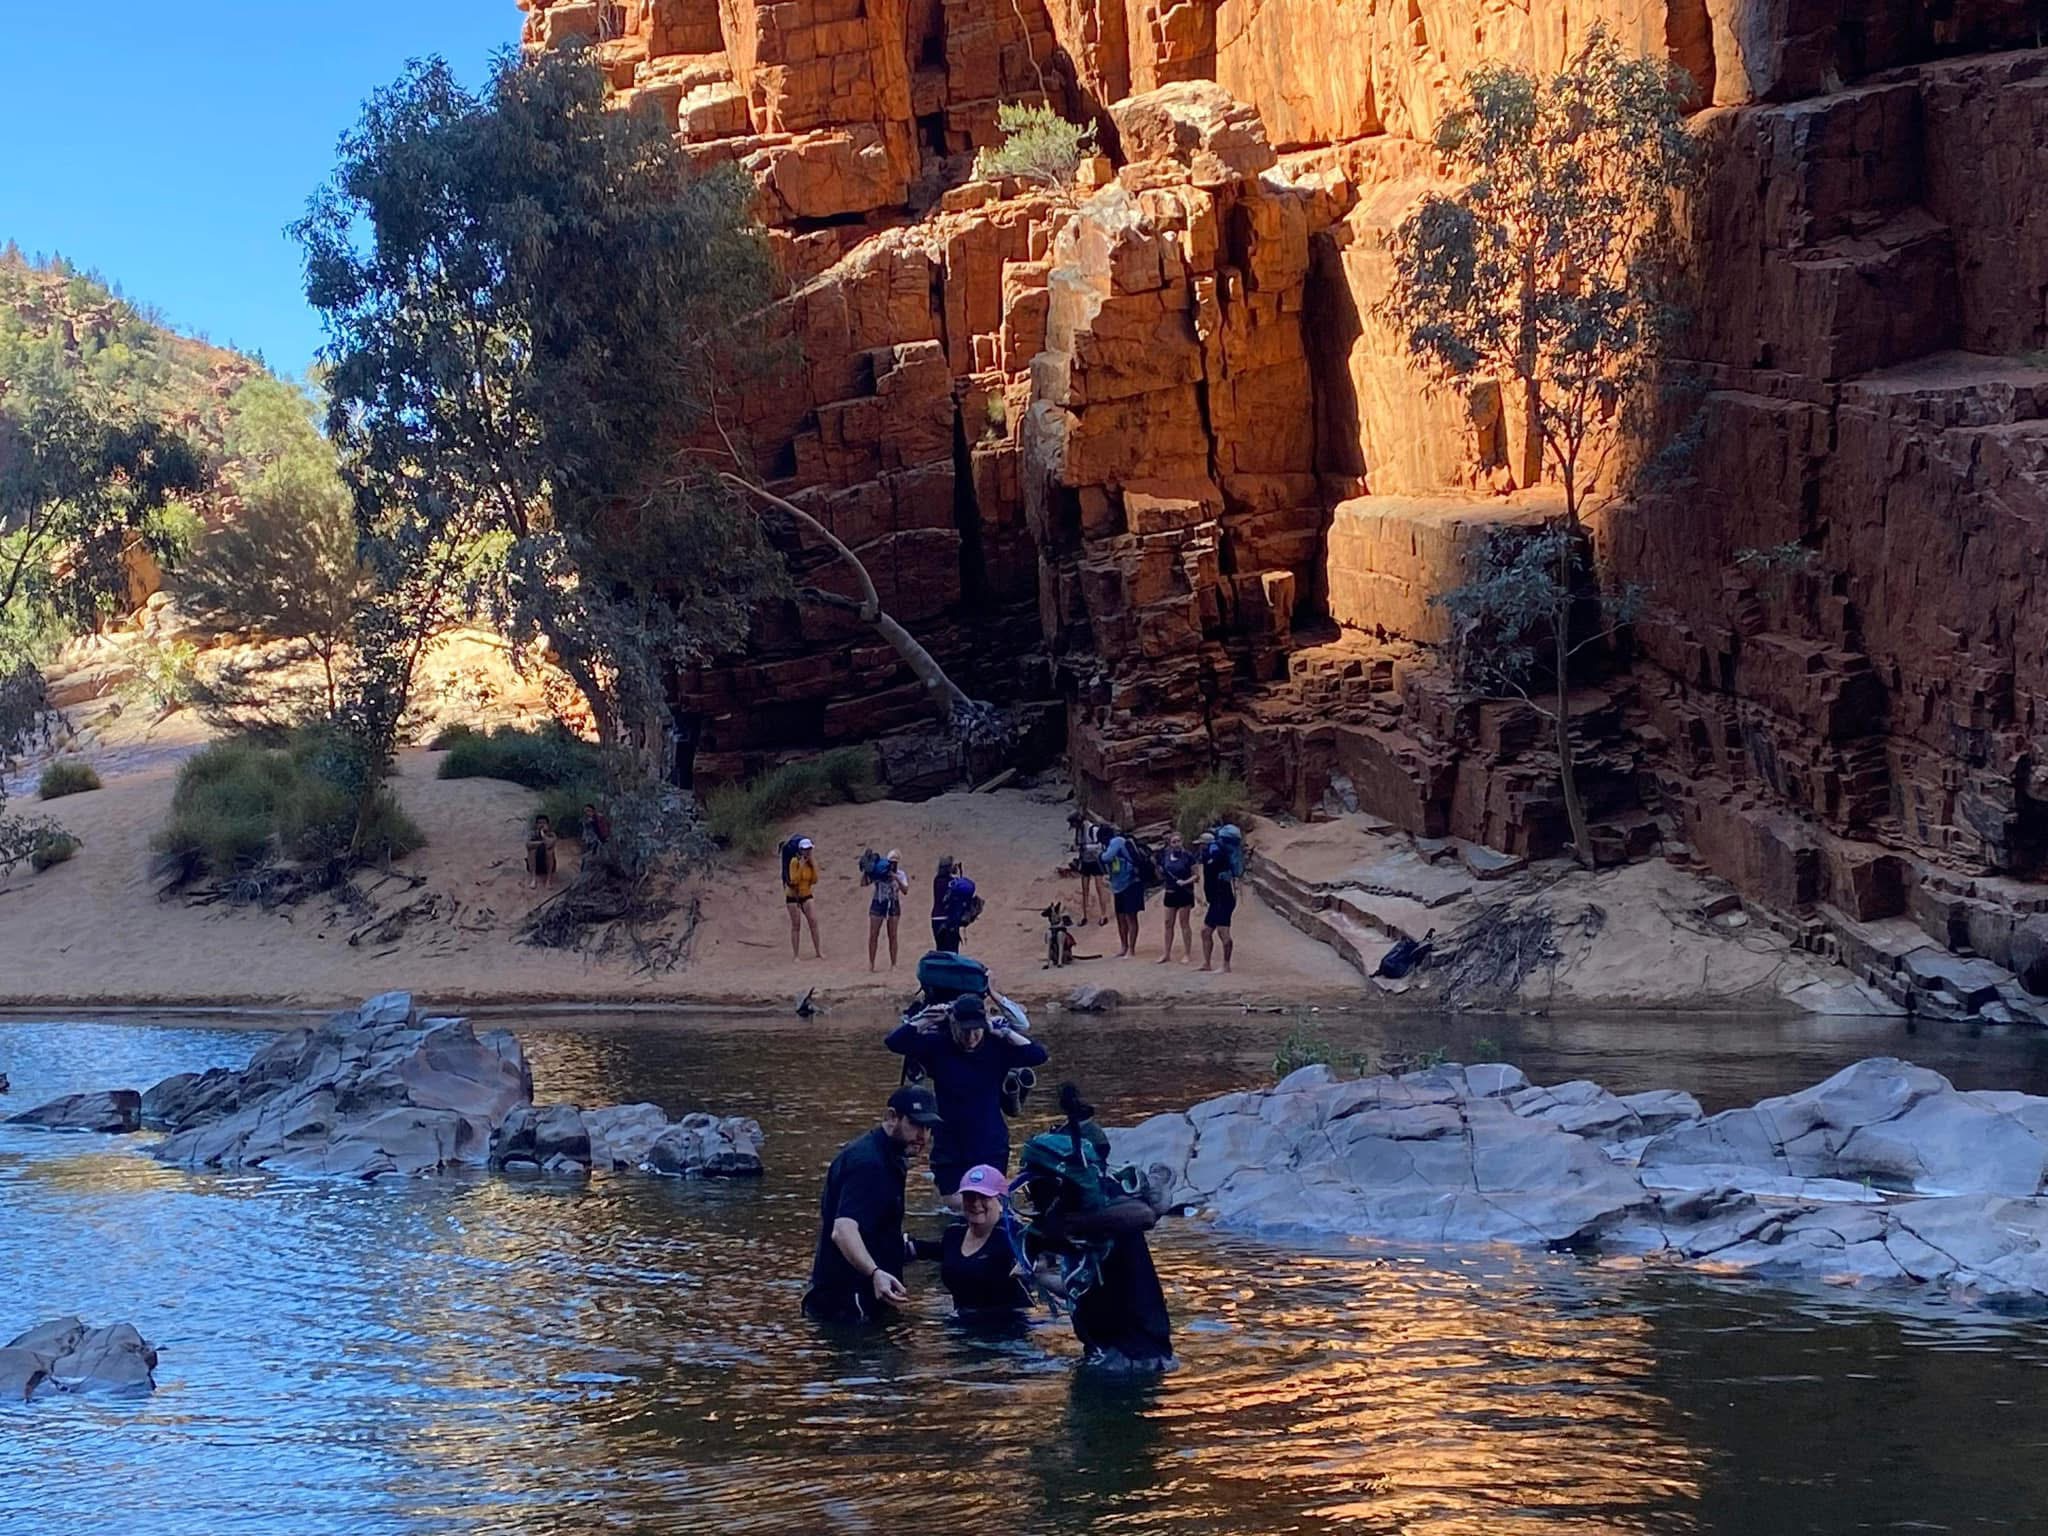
476	1355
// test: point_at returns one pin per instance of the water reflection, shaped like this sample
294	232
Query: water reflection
476	1355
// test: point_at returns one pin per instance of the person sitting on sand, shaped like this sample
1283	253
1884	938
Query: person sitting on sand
799	881
1177	871
540	853
885	907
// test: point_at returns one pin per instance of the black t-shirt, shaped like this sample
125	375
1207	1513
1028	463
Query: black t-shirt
1218	884
985	1280
865	1183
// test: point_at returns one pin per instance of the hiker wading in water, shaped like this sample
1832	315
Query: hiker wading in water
857	1272
967	1059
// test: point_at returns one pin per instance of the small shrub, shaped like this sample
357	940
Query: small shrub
66	777
163	673
240	803
1207	802
449	735
1485	1049
745	817
53	845
1307	1046
548	758
1039	146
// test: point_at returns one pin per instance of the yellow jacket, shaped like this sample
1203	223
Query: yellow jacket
803	878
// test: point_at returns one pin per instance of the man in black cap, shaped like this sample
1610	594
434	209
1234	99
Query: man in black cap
861	1246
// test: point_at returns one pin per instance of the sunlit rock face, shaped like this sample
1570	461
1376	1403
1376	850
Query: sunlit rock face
1883	1176
1149	451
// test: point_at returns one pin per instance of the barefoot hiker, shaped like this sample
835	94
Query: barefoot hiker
799	880
857	1272
1222	863
885	907
1127	892
1177	871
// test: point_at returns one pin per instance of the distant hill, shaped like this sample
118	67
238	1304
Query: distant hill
50	306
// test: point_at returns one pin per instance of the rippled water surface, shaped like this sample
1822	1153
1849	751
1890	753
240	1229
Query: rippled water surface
478	1355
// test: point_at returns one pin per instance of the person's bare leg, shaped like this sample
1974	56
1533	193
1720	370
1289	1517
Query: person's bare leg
874	937
892	941
1084	901
796	929
1227	947
1208	947
1101	902
812	918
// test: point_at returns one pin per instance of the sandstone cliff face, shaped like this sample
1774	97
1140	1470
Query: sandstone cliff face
1149	450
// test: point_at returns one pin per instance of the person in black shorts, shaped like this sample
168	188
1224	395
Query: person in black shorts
1177	873
857	1272
1088	860
945	936
1219	890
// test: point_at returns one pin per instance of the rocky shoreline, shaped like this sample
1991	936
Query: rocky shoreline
1884	1177
380	1090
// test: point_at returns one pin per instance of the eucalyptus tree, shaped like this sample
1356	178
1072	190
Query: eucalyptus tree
1547	269
531	303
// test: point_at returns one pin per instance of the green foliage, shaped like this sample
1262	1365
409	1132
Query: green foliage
1308	1046
240	803
53	845
1484	1049
1039	146
285	565
1221	797
450	734
531	302
745	818
66	776
549	758
163	673
1547	266
1775	567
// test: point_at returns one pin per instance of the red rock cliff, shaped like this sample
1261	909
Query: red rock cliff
1154	456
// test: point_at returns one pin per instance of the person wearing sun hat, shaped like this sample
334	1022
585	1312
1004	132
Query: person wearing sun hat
857	1272
977	1260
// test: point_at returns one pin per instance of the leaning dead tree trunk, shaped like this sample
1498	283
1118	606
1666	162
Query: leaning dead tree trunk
948	701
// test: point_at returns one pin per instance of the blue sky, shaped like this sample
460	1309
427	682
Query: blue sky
168	146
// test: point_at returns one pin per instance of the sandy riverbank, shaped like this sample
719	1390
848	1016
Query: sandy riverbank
93	933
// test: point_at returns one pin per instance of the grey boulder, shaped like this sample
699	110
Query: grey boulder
64	1355
534	1138
707	1146
111	1113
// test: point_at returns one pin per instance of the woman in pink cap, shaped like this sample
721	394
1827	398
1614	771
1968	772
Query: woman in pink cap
977	1260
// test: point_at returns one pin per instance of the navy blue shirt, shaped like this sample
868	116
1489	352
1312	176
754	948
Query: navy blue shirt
865	1183
969	1085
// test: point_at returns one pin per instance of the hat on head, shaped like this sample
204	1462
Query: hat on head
805	844
968	1012
981	1179
915	1104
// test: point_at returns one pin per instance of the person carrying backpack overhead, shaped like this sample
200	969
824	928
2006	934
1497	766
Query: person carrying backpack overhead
799	882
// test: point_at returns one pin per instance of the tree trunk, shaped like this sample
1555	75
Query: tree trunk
946	697
1561	640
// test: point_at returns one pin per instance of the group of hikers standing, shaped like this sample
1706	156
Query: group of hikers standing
1117	870
955	904
1081	1244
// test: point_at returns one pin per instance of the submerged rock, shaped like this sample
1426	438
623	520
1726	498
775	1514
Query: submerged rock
1794	1186
64	1355
707	1146
112	1113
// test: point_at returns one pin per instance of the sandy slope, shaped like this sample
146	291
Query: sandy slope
93	931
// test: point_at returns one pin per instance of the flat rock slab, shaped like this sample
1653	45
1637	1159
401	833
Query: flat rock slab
1806	1185
65	1355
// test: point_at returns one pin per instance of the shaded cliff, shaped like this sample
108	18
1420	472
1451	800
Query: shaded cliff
1155	458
